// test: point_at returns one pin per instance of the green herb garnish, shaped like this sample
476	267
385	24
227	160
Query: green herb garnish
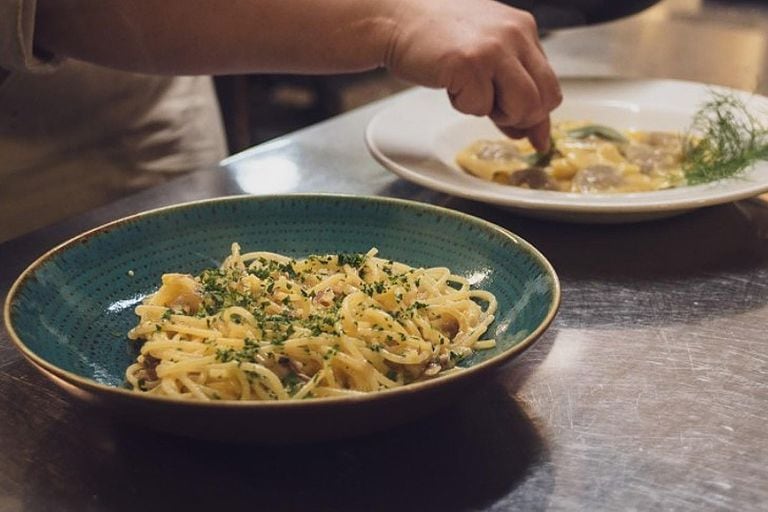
541	159
354	260
724	140
597	130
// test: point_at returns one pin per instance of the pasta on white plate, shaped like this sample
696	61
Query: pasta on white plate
585	158
264	326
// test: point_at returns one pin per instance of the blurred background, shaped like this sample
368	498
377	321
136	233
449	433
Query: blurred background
576	35
725	41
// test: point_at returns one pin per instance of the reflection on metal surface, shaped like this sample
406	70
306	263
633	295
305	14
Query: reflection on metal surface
269	175
566	348
662	48
267	147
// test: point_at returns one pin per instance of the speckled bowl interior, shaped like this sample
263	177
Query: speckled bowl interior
70	311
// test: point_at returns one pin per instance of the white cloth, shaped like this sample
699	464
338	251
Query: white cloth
75	135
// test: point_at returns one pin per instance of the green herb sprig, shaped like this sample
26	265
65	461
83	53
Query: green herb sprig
725	140
600	131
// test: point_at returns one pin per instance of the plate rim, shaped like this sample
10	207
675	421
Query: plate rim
105	390
577	203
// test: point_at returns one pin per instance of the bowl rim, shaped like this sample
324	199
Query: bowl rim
100	389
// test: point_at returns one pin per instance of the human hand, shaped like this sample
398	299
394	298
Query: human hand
485	54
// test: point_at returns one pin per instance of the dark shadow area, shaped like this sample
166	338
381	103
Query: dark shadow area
465	457
723	239
728	238
258	107
707	263
554	14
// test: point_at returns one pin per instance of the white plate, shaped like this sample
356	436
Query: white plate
418	136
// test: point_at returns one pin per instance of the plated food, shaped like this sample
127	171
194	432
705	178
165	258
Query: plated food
418	136
725	140
264	326
585	158
69	312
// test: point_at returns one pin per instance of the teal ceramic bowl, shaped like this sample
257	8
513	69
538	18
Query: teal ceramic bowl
69	312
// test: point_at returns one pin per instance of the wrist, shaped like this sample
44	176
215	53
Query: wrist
381	30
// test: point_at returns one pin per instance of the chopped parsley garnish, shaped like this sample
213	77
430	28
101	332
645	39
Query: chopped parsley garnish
292	383
225	355
281	313
354	260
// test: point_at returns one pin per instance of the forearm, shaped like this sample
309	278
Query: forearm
485	54
216	37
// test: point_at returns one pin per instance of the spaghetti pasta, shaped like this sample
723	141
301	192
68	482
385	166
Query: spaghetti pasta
264	326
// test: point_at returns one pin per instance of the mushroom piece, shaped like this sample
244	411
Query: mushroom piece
662	151
295	366
324	298
149	367
448	325
644	156
533	178
597	178
666	140
432	369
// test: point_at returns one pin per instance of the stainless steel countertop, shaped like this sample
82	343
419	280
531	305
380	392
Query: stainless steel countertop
649	392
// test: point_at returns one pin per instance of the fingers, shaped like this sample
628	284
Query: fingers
514	97
526	90
517	101
519	110
535	61
544	77
472	94
487	57
525	75
538	134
